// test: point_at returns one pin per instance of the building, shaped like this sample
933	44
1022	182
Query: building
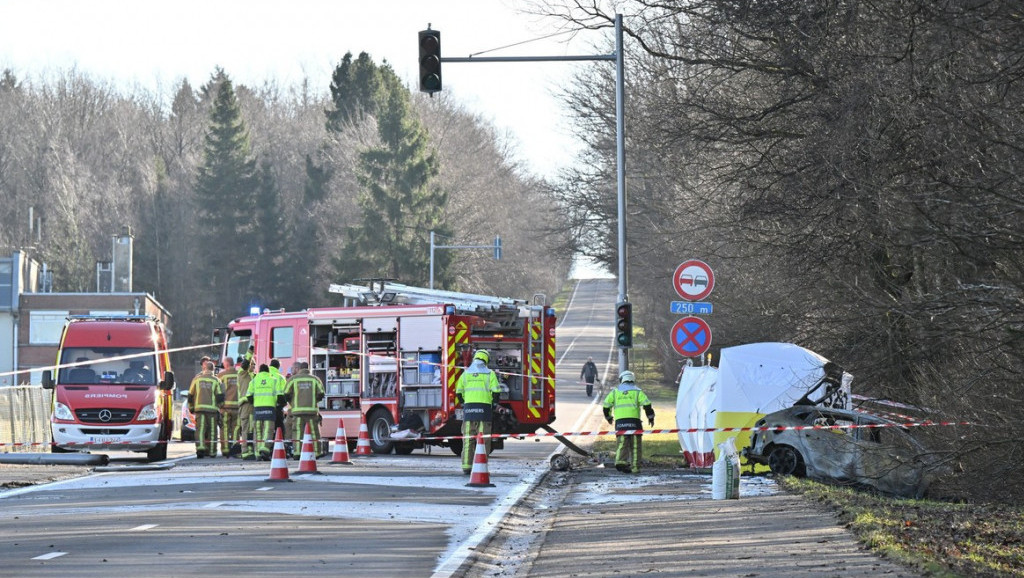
32	315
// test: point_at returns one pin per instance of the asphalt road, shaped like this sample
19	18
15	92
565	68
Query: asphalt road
386	515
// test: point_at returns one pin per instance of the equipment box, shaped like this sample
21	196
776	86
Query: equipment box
412	398
349	387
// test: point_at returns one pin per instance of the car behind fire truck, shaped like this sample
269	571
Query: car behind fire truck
113	386
393	356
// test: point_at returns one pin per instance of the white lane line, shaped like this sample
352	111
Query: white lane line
213	505
143	528
264	488
49	556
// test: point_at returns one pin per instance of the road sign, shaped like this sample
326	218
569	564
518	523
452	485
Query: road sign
692	308
691	336
693	280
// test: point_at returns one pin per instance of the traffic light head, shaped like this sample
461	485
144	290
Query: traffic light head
430	61
624	324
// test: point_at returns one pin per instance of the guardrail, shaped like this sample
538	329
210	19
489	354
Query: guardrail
24	415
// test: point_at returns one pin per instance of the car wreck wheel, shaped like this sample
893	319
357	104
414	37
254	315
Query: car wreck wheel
786	461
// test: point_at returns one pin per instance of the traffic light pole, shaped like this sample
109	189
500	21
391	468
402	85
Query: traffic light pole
620	146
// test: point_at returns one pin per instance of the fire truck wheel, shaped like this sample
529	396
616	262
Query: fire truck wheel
379	423
404	449
455	446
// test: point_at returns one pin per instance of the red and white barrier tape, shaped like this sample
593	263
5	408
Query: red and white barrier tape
926	423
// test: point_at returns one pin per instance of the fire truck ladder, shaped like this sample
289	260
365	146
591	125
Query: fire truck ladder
397	293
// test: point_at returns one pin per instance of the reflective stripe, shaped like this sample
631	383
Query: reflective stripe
478	387
625	405
204	390
263	390
302	391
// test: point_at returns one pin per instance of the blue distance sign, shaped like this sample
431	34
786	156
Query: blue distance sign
686	308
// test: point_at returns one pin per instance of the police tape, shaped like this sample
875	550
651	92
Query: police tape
596	433
925	423
147	354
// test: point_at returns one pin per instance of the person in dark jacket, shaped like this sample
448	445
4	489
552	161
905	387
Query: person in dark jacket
589	375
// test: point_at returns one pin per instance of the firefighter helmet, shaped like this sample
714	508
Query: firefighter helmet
627	377
482	355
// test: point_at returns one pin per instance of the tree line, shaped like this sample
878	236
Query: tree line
851	170
242	196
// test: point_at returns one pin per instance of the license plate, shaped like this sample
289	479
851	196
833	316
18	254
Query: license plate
107	440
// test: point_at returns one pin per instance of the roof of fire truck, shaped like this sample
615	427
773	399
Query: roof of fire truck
383	292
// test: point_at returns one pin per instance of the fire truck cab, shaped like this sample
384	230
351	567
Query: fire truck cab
393	356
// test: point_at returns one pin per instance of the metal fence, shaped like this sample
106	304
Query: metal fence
24	418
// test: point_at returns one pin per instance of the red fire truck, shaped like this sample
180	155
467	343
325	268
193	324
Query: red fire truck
393	355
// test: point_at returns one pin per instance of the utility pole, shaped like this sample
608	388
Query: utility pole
427	85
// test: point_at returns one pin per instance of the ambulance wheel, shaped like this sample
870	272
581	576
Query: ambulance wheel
379	423
157	453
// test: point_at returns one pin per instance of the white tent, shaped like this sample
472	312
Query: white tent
693	410
752	380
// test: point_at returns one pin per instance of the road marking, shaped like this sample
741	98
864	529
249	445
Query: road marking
49	556
265	488
143	528
214	505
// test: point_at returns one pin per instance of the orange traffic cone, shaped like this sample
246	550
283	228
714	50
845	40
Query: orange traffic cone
363	445
307	459
479	477
278	461
341	447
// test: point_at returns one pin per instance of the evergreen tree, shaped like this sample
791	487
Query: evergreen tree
399	198
225	203
270	249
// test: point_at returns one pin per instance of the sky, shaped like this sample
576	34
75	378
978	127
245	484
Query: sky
154	44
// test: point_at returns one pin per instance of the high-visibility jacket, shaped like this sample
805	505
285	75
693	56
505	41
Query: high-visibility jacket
625	403
263	390
279	380
478	384
304	391
229	380
206	393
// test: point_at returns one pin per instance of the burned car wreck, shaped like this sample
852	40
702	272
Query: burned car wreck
879	453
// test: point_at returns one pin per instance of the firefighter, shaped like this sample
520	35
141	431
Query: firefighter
263	396
229	417
304	391
245	375
205	401
623	404
279	383
477	392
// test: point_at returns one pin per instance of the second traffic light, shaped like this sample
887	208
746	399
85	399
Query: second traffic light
624	324
430	61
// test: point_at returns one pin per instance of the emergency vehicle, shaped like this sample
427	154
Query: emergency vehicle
113	386
393	356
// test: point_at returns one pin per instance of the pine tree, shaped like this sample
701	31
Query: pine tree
225	203
399	198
